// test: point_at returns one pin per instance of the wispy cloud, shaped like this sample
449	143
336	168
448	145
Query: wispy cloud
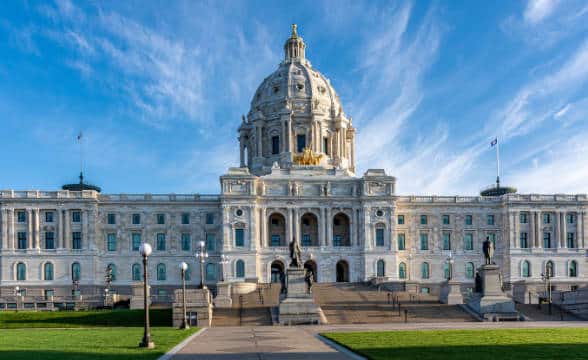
538	10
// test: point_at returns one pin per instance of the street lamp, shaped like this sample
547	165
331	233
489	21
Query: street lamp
201	255
145	251
224	259
183	269
450	262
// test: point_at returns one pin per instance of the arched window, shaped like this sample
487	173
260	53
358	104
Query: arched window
76	271
573	271
48	271
549	269
240	269
381	268
21	271
210	272
446	271
525	269
136	270
402	271
425	270
112	271
469	270
161	272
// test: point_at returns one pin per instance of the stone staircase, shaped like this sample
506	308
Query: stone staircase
253	309
535	313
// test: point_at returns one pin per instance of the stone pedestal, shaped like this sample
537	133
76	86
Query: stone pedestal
198	307
137	297
492	304
411	287
223	295
298	307
451	293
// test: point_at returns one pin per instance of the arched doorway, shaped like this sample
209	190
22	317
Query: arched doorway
380	268
309	229
277	230
342	271
277	271
310	265
341	230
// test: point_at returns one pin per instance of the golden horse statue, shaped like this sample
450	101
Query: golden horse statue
307	157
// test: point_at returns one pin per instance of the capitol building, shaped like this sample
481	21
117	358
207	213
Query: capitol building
296	181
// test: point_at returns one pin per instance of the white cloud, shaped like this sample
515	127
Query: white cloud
538	10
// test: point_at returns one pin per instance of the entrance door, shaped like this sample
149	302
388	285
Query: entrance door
342	271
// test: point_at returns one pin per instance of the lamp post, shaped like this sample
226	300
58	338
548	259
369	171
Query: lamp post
145	251
202	255
183	269
224	259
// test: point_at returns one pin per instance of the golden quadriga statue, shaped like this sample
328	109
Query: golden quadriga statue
307	157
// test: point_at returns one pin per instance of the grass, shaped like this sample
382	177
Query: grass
468	344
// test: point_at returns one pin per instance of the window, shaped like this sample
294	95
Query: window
22	240
337	240
210	272
49	216
523	218
275	145
469	220
160	219
306	240
326	145
380	268
401	242
570	218
571	240
48	271
49	240
111	242
76	239
380	237
111	270
161	241
546	218
136	270
111	219
546	240
469	241
209	218
136	219
425	270
423	219
49	293
76	271
76	217
445	219
573	271
135	241
490	219
524	237
446	241
275	240
402	271
446	272
239	237
300	142
525	269
185	218
161	272
210	242
21	216
469	270
186	240
400	219
21	271
424	242
240	269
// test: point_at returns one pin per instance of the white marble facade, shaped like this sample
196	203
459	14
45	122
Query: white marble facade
350	228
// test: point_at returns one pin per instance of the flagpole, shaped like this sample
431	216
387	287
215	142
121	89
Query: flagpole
497	165
81	158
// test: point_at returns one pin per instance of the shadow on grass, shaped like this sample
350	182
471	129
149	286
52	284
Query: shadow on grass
62	355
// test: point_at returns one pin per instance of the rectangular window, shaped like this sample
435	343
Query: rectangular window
571	240
49	240
275	240
136	241
401	242
239	237
49	294
469	241
524	237
275	145
49	216
380	237
400	219
300	142
111	242
423	219
111	219
22	239
76	217
547	218
337	240
76	240
185	218
446	241
570	218
161	241
469	220
445	219
210	242
136	219
546	240
209	218
523	217
306	240
186	242
424	242
326	145
490	219
21	216
160	219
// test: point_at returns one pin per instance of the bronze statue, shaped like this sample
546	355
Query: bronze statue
295	255
488	248
309	278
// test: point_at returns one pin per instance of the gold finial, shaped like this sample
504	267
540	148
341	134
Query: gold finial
307	157
294	32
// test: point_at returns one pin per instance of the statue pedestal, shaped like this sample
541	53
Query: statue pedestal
492	304
298	307
451	293
198	307
223	295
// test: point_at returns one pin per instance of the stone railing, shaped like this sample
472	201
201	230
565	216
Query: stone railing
37	194
491	199
159	197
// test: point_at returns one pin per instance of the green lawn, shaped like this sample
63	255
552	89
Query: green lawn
468	344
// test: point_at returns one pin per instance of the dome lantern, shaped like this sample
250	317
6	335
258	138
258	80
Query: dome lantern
294	46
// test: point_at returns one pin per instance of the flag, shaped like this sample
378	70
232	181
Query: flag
494	142
80	136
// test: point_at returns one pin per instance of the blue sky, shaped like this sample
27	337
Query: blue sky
158	89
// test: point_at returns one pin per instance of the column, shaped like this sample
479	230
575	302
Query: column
66	230
59	229
226	228
352	226
532	229
288	227
329	226
259	141
11	232
283	137
581	229
4	224
29	228
367	229
556	229
254	221
538	233
37	229
322	222
517	229
296	225
391	231
262	241
241	152
85	237
564	230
